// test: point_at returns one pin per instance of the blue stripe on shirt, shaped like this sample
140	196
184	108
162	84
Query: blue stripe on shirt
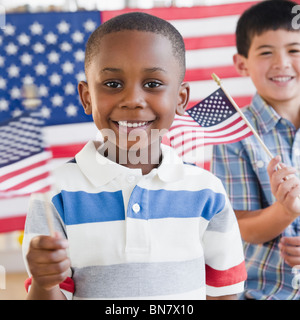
82	207
157	204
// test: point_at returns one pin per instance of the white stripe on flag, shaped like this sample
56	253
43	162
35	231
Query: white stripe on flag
190	28
45	155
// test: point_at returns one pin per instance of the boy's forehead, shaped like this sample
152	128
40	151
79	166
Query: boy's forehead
134	43
278	35
133	34
147	47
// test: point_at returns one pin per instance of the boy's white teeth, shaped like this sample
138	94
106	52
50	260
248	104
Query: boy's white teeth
132	124
281	79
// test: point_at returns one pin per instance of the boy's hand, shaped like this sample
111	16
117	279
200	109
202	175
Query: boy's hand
285	186
48	261
290	250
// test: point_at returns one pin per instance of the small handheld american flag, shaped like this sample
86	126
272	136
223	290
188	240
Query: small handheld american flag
214	120
24	167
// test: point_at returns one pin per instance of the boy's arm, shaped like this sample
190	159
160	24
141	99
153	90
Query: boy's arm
262	225
265	224
223	251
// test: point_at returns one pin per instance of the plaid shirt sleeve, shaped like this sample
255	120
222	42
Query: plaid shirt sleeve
231	163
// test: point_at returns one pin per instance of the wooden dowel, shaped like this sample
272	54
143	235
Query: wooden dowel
49	217
218	81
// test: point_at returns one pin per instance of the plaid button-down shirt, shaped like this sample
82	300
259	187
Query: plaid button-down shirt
242	166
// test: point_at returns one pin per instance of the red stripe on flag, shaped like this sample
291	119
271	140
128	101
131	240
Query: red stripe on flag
213	142
29	181
205	73
221	278
218	136
198	12
23	170
66	151
216	41
197	128
12	223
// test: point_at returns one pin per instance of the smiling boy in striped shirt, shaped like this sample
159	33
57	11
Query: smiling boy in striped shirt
135	222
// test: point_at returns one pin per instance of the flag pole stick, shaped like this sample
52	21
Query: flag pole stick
218	81
49	217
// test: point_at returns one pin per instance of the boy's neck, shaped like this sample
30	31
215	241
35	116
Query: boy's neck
289	110
144	159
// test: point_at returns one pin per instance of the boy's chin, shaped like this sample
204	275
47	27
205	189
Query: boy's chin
133	147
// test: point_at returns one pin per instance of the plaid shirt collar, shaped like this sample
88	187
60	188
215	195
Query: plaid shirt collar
268	117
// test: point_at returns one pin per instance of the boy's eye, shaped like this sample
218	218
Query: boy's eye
113	84
294	51
152	84
265	53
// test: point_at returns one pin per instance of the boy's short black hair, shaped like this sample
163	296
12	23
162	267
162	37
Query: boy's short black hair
264	16
141	22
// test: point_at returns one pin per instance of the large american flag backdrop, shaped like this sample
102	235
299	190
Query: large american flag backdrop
47	49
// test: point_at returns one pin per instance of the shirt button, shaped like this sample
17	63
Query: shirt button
136	208
260	164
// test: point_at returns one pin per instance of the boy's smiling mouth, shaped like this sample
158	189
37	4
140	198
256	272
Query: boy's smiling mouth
282	79
128	125
132	124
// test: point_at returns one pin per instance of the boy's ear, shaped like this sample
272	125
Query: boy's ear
85	97
240	63
183	98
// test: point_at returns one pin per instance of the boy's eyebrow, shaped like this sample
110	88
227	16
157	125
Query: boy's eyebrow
154	69
118	70
108	69
270	46
264	46
294	44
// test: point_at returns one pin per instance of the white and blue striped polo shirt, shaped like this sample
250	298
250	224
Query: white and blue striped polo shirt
170	234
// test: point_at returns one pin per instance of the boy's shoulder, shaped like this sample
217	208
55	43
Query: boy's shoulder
196	177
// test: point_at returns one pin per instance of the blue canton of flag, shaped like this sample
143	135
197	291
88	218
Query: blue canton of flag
212	110
47	50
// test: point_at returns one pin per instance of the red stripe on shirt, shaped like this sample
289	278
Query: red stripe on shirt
222	278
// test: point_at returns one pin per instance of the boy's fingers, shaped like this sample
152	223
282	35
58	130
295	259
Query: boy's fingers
48	269
48	243
272	166
288	189
283	174
294	193
48	256
292	241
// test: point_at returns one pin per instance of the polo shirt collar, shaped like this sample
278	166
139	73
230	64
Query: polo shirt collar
268	117
171	168
92	164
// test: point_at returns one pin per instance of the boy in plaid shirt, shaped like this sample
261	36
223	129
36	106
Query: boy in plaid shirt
266	199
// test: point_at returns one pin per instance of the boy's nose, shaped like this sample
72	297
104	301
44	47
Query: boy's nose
132	98
281	61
